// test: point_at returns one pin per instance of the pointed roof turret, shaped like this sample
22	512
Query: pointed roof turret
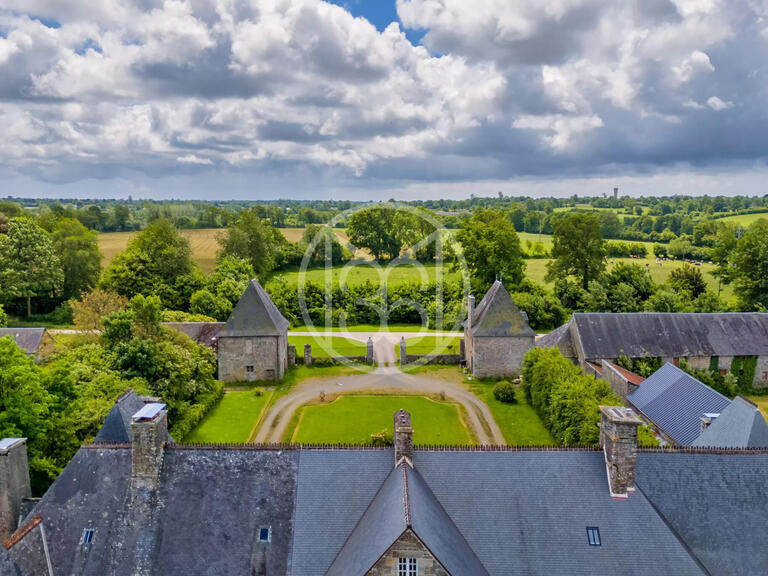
254	315
497	315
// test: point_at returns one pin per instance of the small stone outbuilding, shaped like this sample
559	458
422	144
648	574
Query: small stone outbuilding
496	335
253	344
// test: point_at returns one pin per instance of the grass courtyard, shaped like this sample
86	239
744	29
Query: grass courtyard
328	346
352	420
423	345
232	420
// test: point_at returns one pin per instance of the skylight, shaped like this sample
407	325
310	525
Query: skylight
593	536
87	536
265	534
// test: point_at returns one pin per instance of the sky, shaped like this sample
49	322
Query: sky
379	99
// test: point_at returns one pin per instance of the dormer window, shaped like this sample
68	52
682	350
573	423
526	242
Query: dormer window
407	567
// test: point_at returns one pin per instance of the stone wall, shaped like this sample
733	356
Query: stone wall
619	384
14	485
267	354
498	357
433	358
407	546
761	372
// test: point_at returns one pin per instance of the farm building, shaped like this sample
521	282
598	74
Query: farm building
149	506
496	335
36	342
253	344
735	342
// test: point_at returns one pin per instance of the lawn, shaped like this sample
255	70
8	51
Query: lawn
762	403
328	346
352	420
519	422
365	328
424	345
233	419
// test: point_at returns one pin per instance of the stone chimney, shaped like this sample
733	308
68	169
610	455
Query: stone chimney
149	433
618	438
470	311
403	437
14	483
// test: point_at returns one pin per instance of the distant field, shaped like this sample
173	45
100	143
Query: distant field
231	420
327	346
203	243
744	219
352	419
353	274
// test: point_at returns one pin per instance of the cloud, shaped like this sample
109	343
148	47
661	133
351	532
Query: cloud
121	88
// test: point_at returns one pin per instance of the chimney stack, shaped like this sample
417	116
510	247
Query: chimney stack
403	437
618	438
470	311
149	433
14	483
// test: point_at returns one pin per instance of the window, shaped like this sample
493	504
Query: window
249	368
265	534
87	536
249	346
406	567
593	536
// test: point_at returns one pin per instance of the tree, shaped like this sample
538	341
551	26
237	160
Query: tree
3	318
230	278
664	301
491	248
687	279
78	251
725	243
578	248
374	228
209	304
252	238
749	267
120	216
90	310
29	266
327	248
157	261
417	231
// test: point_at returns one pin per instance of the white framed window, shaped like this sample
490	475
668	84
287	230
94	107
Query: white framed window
407	567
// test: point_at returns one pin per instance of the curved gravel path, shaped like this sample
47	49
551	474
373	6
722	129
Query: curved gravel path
391	379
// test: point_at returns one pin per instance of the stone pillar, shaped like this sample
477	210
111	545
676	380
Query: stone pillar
291	355
403	352
403	437
618	438
462	351
369	351
14	483
307	354
149	433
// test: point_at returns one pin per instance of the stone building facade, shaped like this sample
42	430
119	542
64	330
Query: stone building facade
408	550
496	335
253	344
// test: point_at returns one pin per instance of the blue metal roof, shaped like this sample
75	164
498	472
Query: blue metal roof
675	402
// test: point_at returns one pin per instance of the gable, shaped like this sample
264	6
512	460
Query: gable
497	315
408	546
254	315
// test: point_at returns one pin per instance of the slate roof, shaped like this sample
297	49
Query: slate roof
117	425
28	339
740	425
497	315
204	333
559	338
675	402
717	503
606	335
405	501
254	315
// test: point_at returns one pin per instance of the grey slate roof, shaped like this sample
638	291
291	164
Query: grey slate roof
605	335
204	333
740	425
675	402
117	425
559	338
497	315
254	315
28	339
405	501
717	503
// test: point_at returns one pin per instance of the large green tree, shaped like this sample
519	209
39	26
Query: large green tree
374	228
78	251
253	238
29	266
491	248
749	267
578	248
157	261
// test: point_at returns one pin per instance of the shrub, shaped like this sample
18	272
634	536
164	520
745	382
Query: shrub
504	391
646	437
383	438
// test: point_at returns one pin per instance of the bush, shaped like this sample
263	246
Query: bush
3	318
383	438
646	437
504	391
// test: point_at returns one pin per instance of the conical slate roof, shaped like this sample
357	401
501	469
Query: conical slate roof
405	501
497	315
117	426
740	425
254	315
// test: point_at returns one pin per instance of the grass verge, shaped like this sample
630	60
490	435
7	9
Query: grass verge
233	419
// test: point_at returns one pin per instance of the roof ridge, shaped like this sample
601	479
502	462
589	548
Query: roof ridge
745	451
17	536
406	496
